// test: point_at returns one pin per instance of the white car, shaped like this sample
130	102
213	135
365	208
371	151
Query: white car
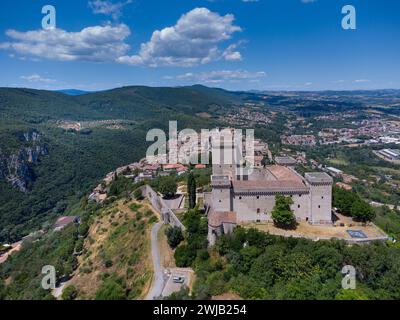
178	279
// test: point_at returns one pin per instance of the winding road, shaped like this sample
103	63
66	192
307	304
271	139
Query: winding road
158	282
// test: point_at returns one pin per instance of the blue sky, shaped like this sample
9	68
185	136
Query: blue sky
234	44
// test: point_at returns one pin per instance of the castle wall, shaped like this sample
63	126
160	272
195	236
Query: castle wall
213	233
228	227
246	207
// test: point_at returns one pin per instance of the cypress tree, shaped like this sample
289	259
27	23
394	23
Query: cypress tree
191	186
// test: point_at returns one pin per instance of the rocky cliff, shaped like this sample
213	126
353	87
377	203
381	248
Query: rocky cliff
17	167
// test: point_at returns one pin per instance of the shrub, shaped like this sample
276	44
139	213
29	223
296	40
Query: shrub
153	219
69	293
184	257
111	289
108	263
282	215
174	236
138	194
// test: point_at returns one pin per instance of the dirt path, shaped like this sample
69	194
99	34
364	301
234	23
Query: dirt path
15	248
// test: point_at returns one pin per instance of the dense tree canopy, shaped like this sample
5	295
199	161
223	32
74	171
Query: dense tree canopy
262	266
350	203
167	186
195	240
174	236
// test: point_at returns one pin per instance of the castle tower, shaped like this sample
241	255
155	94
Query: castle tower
223	157
221	193
320	185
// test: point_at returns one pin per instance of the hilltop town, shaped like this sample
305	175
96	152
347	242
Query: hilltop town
244	198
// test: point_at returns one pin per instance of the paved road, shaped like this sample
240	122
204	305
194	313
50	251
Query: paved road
158	282
57	292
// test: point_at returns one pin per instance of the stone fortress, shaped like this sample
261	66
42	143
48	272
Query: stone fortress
243	196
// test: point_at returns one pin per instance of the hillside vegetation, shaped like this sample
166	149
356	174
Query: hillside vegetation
116	261
255	265
106	256
76	160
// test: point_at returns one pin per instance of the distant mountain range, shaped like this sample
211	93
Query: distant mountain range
74	92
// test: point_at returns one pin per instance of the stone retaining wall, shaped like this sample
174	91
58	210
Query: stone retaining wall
159	205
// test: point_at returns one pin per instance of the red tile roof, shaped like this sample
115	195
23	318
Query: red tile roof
285	180
171	166
217	218
283	173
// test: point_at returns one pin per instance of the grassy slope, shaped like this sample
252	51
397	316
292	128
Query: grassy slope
118	246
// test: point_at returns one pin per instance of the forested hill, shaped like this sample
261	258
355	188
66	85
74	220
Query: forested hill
134	103
45	166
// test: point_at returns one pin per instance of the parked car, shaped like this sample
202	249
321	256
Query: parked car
178	279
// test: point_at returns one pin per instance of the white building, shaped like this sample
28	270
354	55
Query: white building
390	154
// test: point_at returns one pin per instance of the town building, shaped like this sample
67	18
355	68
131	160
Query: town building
286	161
334	171
390	154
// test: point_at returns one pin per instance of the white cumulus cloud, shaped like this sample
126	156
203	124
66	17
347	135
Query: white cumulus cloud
37	78
193	40
231	53
218	76
106	7
97	43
